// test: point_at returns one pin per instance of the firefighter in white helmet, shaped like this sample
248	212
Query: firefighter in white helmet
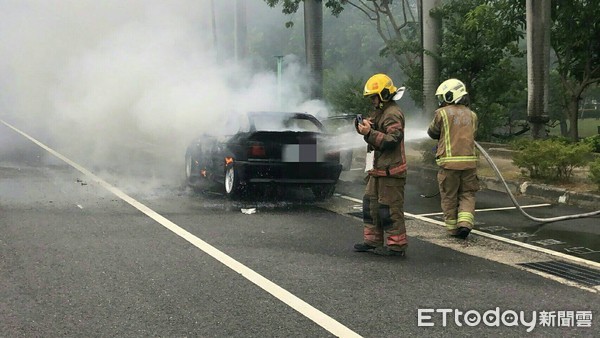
454	125
384	232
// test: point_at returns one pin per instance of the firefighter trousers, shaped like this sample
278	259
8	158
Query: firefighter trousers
457	192
383	213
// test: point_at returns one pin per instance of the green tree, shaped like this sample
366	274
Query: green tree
479	43
344	95
291	6
575	38
313	37
479	47
557	103
396	23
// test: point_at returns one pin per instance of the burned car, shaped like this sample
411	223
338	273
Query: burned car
270	148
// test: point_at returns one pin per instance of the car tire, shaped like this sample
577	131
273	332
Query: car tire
323	192
231	181
194	182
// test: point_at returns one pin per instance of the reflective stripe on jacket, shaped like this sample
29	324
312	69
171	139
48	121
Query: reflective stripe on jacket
455	127
387	140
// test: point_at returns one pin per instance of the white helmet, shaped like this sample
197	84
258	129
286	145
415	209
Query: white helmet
450	91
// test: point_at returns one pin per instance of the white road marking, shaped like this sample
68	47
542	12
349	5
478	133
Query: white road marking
314	314
499	238
495	209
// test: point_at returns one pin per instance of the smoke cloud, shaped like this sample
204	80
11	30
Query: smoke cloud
125	85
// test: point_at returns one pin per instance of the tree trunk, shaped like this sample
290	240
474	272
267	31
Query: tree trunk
313	39
564	130
214	27
538	53
431	30
240	30
573	110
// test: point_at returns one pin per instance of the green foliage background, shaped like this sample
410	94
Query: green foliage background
483	45
595	172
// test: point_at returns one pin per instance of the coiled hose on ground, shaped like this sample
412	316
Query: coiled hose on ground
514	200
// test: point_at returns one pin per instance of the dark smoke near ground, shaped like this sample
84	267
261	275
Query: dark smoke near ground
122	86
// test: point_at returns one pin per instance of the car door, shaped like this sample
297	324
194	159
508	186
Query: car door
351	144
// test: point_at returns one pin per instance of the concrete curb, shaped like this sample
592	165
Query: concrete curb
496	185
560	195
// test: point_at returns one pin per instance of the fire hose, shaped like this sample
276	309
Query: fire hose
514	200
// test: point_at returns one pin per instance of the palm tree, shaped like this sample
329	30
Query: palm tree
240	29
431	30
313	39
538	59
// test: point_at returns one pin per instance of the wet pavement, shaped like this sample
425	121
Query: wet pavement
496	215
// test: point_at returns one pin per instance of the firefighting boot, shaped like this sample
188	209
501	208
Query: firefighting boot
462	232
363	247
386	251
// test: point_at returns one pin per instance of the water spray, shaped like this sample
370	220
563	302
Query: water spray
514	200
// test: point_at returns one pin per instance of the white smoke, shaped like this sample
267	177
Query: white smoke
127	84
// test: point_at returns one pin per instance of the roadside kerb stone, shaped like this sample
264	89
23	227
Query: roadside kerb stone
560	195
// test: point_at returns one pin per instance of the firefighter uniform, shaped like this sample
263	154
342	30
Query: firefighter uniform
384	231
383	202
455	126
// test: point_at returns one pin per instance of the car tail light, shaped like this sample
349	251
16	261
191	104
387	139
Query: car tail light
256	149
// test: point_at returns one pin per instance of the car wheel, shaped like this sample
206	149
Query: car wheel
193	181
232	183
323	192
188	167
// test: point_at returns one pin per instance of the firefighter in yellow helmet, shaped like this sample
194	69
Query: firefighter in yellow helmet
384	232
454	125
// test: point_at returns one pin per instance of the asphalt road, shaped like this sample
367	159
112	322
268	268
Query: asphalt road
82	257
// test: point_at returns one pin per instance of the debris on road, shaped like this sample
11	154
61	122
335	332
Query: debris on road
249	211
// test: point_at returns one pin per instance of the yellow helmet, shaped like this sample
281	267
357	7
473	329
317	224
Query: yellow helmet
381	85
450	91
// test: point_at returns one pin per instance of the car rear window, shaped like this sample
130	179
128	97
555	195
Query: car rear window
284	123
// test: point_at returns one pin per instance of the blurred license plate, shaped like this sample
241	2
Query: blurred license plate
302	153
